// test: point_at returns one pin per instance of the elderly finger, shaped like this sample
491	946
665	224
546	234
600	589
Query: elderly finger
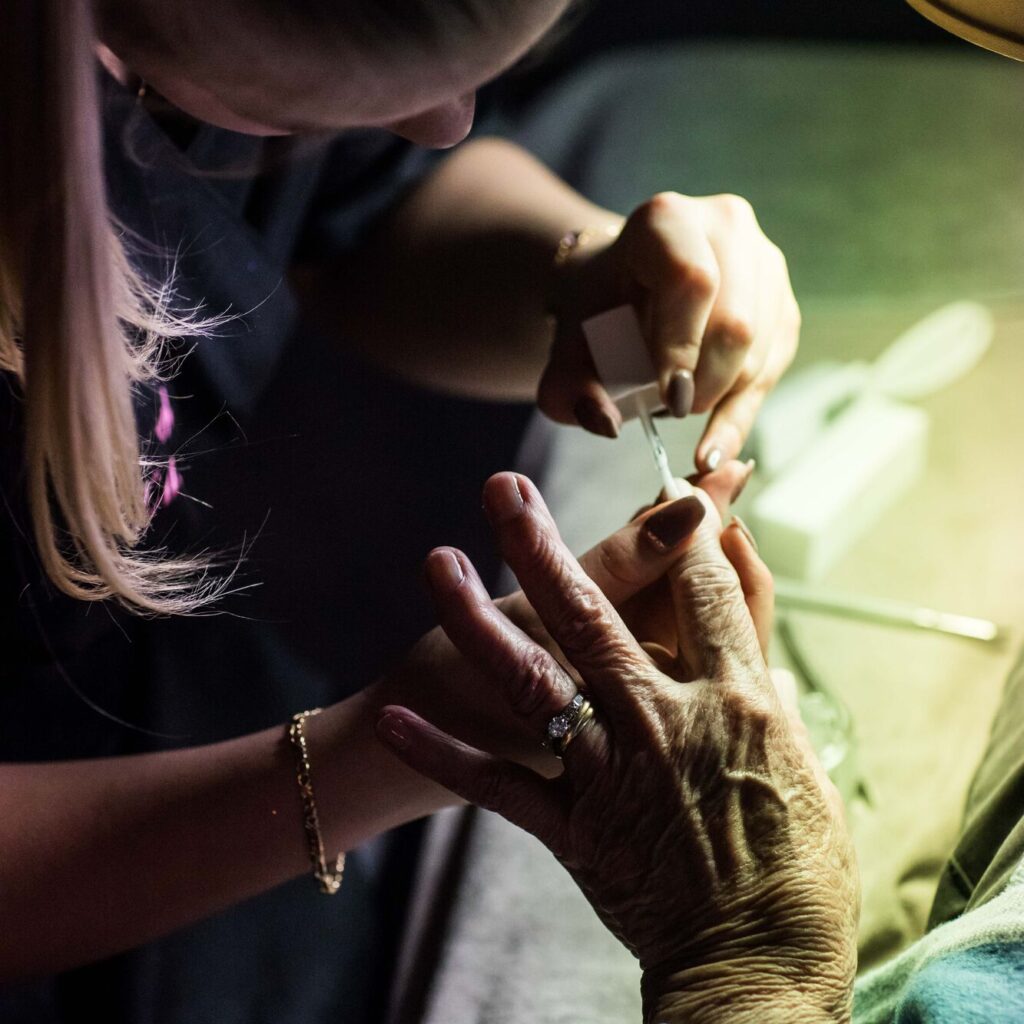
577	615
532	681
508	789
715	629
754	576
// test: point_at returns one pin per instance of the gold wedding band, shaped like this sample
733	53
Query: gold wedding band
563	728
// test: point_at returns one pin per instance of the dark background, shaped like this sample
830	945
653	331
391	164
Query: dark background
599	25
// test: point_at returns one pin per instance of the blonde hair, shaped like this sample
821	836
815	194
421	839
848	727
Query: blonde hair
79	328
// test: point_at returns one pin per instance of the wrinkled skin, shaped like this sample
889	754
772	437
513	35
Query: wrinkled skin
436	681
693	815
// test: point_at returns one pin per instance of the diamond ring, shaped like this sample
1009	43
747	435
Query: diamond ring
564	727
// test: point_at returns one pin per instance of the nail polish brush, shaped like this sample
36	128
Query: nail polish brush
624	365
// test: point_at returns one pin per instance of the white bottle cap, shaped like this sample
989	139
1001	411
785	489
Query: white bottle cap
622	360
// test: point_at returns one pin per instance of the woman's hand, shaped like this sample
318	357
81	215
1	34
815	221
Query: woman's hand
691	813
716	306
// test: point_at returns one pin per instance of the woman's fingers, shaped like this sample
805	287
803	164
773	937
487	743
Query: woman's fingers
734	323
510	790
532	682
638	555
755	579
576	614
670	257
773	347
725	484
570	391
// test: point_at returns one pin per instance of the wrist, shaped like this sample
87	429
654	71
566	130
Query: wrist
744	994
582	274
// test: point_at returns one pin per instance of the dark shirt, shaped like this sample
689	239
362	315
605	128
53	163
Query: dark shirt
295	445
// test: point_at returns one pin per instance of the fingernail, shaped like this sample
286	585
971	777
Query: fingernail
745	530
391	729
713	459
503	500
591	416
444	571
749	468
680	393
670	526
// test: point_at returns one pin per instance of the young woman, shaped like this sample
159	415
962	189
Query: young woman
145	212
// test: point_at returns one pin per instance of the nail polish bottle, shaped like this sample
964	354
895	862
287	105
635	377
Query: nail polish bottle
623	362
628	375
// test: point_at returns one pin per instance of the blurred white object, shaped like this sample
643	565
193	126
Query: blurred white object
840	486
934	353
840	445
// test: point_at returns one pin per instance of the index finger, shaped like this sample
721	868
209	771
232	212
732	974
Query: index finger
671	258
577	615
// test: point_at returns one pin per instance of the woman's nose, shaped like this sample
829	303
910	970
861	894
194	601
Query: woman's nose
441	126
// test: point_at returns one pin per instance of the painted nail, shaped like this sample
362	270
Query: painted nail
680	393
391	729
748	472
502	498
593	417
444	570
669	527
745	530
713	459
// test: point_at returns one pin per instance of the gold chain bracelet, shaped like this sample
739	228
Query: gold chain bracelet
573	240
330	880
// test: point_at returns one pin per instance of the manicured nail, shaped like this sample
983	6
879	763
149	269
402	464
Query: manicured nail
670	526
392	731
748	472
502	499
680	393
745	530
444	571
713	459
593	417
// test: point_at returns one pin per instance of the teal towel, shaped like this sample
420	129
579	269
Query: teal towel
968	971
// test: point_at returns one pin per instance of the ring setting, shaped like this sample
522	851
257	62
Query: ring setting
564	727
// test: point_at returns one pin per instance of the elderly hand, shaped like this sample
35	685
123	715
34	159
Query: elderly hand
691	813
628	567
716	306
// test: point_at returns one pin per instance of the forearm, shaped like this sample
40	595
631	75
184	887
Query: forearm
99	856
452	290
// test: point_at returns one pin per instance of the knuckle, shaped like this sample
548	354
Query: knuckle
665	202
616	566
733	332
534	682
696	281
750	706
583	627
734	208
534	552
